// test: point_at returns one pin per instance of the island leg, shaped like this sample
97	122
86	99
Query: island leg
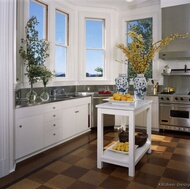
149	123
131	144
100	139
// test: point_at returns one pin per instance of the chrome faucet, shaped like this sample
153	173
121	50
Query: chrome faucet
59	92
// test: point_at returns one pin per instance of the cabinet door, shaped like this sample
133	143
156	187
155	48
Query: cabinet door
29	135
68	122
82	118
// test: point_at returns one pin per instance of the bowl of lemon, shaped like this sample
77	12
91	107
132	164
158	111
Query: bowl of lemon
120	97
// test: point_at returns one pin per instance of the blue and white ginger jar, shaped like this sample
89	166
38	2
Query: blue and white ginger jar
140	87
122	84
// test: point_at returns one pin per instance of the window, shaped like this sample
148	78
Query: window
95	53
39	10
144	27
61	43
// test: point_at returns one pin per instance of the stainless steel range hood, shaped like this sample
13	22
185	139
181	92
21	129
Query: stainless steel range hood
176	19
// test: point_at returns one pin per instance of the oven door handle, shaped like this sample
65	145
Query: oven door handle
175	105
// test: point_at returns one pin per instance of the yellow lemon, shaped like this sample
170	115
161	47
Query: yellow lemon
126	148
128	95
130	99
118	97
115	95
111	98
123	98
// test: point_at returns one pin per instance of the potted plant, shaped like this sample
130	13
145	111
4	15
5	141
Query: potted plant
139	56
45	76
34	53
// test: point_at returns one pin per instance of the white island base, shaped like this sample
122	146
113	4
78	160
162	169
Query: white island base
124	109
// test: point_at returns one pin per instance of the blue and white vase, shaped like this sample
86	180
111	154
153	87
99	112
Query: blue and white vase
122	84
140	87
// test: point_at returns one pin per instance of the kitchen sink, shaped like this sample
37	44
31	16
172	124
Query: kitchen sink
61	98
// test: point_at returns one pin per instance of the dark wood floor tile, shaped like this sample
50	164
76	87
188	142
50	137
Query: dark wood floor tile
176	175
107	168
42	176
75	172
72	159
43	187
158	161
81	185
183	145
147	179
170	149
60	181
113	182
179	157
93	155
94	177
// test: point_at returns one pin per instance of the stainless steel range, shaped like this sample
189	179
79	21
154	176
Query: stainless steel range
174	112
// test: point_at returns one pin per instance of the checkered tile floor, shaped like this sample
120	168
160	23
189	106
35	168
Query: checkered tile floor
168	166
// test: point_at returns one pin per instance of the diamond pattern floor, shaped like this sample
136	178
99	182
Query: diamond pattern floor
168	166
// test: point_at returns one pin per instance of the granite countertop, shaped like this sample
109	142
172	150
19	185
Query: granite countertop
23	102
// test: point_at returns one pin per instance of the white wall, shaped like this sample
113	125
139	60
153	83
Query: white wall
7	54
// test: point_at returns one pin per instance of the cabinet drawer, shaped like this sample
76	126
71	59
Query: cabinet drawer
50	116
52	124
52	137
52	106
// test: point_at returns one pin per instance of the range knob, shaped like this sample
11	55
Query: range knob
176	98
162	98
181	98
167	98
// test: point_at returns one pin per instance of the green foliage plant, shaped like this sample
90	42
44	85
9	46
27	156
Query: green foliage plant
34	52
45	74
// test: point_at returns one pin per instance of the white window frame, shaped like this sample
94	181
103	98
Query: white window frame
155	35
70	62
66	37
82	50
103	44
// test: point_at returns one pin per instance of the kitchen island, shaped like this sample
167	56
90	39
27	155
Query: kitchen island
124	109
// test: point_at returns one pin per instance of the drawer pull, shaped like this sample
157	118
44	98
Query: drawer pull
54	134
76	111
53	107
20	126
54	115
54	125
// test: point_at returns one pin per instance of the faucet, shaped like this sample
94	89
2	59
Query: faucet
59	92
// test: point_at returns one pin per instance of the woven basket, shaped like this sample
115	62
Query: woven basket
140	138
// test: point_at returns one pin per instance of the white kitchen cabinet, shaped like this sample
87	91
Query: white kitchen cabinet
43	126
29	136
141	120
155	112
52	123
68	122
82	118
75	117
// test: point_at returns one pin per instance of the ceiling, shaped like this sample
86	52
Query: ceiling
114	4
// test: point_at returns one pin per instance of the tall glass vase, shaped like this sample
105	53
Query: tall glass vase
140	87
45	95
122	84
31	95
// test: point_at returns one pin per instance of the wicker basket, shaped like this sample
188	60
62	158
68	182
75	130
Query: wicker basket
140	138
